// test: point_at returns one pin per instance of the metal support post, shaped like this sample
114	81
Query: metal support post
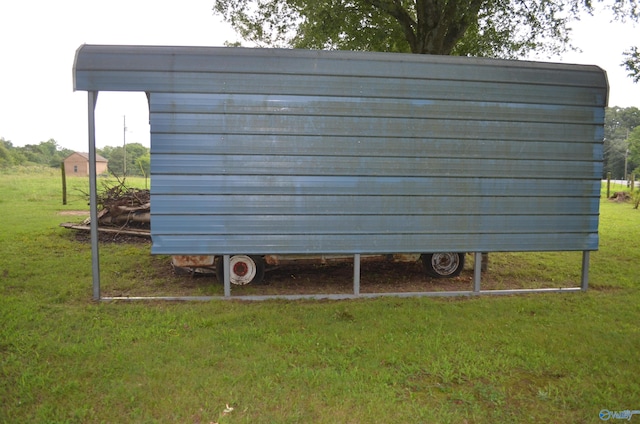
93	194
226	265
584	285
356	274
477	272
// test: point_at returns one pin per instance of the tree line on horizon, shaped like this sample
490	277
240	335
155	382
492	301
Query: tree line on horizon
50	154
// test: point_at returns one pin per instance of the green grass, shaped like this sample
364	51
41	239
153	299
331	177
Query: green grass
536	358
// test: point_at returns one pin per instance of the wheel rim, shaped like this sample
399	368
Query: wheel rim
445	263
243	269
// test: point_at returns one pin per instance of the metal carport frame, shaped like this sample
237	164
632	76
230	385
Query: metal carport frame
95	259
555	113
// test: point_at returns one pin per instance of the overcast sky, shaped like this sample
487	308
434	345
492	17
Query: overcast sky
40	37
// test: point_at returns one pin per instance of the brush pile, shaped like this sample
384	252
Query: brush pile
620	196
125	207
121	211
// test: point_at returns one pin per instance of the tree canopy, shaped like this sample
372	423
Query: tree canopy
632	63
490	28
138	159
47	153
633	159
619	143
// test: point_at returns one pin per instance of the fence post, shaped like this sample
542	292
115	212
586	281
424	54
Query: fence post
608	184
64	183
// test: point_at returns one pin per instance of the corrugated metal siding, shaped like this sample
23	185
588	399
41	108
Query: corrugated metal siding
284	151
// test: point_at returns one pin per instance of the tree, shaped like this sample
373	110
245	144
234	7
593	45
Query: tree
492	28
10	155
632	63
634	150
618	125
106	151
115	155
47	153
5	157
144	164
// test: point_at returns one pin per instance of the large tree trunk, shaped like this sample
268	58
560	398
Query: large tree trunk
437	26
440	28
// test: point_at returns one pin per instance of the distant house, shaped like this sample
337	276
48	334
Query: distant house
77	164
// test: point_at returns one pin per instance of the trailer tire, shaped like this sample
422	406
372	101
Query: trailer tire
443	264
245	269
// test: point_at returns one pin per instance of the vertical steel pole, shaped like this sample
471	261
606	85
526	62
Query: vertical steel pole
356	274
93	195
585	271
477	271
226	265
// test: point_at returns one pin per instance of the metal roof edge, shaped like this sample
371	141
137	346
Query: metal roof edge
316	54
311	54
75	64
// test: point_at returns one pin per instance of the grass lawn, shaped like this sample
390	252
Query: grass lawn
535	358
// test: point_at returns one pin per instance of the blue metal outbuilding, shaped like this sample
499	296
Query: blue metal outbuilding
261	151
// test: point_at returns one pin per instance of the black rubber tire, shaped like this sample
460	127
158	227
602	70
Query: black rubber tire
238	272
443	264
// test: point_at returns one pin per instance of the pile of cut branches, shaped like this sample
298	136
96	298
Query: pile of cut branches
121	210
123	206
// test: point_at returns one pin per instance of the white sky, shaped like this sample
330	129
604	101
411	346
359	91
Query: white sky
39	39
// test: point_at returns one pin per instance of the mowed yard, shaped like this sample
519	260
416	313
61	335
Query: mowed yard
528	358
